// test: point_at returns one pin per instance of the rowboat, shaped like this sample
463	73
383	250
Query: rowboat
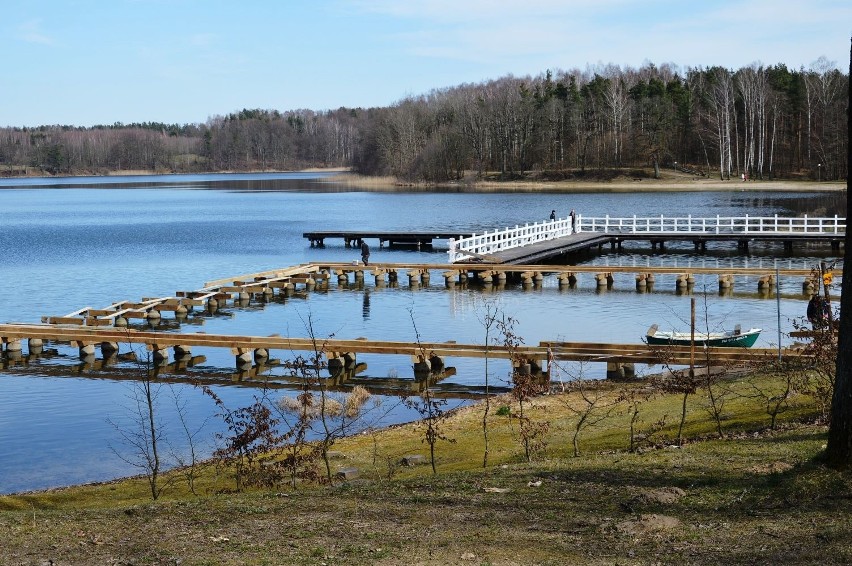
735	338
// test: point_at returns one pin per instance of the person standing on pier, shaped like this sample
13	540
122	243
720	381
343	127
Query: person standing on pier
365	253
573	216
553	214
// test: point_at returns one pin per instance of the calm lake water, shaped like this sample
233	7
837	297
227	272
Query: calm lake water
72	243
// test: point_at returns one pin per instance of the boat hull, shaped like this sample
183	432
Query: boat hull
720	340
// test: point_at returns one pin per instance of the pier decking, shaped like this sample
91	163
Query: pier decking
541	241
433	352
353	238
89	328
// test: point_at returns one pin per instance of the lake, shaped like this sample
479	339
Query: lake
72	243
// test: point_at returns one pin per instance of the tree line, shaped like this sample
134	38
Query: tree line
761	121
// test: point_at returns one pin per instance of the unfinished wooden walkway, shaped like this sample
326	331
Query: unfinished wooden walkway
241	290
262	286
107	328
426	356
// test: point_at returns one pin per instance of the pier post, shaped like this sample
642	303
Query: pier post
620	370
449	278
159	354
339	362
436	362
242	357
35	346
422	366
108	349
181	352
261	355
86	350
153	317
12	348
379	277
414	278
684	281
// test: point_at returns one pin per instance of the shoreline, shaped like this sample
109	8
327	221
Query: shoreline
669	182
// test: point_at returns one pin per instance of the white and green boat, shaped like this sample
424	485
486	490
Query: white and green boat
735	338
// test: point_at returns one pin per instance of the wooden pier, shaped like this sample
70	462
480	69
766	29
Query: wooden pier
426	357
590	241
541	241
353	238
106	328
261	286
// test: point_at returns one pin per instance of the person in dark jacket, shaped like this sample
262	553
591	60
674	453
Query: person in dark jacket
818	311
553	215
365	253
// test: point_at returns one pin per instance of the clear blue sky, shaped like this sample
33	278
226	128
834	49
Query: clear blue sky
86	62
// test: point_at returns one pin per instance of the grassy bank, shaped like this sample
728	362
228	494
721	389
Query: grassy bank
755	495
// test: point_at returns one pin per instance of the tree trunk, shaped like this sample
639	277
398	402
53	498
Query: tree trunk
839	449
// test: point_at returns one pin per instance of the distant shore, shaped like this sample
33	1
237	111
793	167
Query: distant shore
670	181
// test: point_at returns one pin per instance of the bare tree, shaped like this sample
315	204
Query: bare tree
144	435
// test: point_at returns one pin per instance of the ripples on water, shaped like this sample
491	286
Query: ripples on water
80	245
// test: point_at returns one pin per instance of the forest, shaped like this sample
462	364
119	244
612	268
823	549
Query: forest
767	122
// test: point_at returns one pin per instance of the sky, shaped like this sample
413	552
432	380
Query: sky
88	62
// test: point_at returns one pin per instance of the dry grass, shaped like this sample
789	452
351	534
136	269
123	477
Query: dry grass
756	496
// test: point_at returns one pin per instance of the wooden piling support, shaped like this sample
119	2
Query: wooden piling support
181	351
35	345
108	349
620	370
604	279
450	278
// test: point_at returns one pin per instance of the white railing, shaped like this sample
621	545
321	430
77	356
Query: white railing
499	240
